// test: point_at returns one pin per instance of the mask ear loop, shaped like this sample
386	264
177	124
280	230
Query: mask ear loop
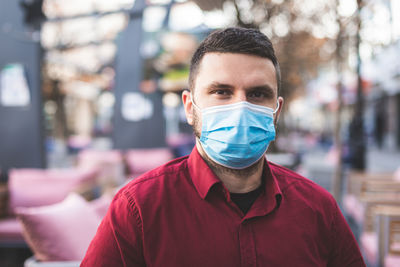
192	99
276	110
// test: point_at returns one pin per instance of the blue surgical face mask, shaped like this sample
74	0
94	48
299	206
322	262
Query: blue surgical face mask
236	135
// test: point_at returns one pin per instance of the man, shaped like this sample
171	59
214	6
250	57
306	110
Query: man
224	204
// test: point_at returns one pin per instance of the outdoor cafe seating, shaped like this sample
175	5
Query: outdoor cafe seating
372	203
56	212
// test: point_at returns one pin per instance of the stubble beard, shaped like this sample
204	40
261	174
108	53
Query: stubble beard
217	168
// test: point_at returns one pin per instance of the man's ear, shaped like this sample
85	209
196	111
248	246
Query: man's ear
188	105
278	112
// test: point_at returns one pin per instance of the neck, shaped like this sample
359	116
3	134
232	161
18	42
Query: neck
236	181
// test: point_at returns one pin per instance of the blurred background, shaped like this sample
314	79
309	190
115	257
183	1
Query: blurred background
90	98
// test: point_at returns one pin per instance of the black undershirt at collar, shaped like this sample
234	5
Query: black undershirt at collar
245	200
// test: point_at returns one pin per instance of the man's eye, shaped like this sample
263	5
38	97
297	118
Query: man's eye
221	92
257	94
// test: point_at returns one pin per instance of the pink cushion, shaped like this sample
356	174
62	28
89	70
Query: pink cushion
101	204
109	162
11	231
38	187
369	244
142	160
392	261
59	232
354	208
79	141
104	156
396	174
176	140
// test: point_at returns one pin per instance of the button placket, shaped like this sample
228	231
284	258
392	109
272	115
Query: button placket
247	245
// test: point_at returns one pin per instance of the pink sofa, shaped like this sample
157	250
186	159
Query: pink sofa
39	187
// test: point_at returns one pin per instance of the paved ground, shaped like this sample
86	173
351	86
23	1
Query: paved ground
380	161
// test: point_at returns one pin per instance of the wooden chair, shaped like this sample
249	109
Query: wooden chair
388	232
369	196
356	180
368	190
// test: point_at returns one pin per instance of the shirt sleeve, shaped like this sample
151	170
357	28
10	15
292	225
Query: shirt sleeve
118	241
345	251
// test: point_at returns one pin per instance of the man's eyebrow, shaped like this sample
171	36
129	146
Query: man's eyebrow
217	85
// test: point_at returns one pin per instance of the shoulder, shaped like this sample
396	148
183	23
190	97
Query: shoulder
296	186
157	180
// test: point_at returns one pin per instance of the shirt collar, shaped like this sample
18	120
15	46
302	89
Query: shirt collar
204	179
202	176
271	197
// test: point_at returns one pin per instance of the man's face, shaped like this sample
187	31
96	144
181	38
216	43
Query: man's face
227	78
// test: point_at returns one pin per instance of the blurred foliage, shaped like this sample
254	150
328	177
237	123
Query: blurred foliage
176	74
299	57
292	25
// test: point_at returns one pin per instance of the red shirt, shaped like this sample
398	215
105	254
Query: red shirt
181	214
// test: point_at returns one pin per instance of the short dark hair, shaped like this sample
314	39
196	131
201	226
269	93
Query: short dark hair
234	40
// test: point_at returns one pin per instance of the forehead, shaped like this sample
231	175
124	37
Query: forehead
238	70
